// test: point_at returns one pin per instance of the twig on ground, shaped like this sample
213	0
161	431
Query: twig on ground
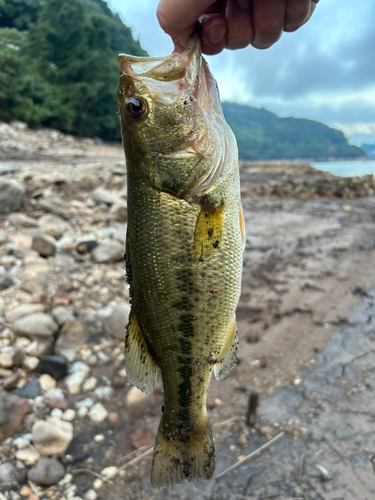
83	471
253	454
132	453
301	466
372	460
132	462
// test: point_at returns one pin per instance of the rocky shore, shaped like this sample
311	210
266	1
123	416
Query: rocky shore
71	424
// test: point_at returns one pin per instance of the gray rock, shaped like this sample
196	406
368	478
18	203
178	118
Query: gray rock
6	472
30	391
103	392
12	196
45	245
3	237
55	205
101	195
7	168
73	335
12	412
37	325
46	472
6	279
53	225
118	321
120	233
62	315
109	251
22	221
120	211
23	310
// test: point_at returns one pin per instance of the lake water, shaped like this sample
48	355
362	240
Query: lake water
346	168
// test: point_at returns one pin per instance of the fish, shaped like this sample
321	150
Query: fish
184	248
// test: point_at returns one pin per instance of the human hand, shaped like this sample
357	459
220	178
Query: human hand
233	24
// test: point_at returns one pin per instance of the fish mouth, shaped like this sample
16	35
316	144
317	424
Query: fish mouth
180	72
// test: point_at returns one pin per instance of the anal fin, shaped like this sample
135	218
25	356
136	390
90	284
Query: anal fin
228	356
139	364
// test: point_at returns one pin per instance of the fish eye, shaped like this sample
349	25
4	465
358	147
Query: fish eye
136	107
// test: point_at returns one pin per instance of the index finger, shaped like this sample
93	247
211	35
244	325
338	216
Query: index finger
178	19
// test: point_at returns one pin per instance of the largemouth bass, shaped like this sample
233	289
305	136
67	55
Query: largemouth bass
184	248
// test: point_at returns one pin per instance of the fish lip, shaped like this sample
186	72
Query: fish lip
176	66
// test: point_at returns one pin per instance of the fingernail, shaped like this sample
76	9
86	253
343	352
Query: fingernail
216	34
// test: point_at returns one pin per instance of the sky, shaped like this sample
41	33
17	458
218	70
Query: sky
325	71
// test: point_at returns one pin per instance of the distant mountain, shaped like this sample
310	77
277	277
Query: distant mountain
262	135
360	139
370	150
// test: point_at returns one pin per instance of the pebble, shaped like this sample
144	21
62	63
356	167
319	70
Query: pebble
44	244
21	443
86	246
36	325
53	225
52	437
55	392
120	211
109	471
6	472
75	380
12	196
84	403
91	495
31	363
11	382
62	315
73	335
22	221
55	205
101	195
56	366
31	390
113	418
6	357
6	279
46	382
135	396
98	413
46	472
57	412
97	484
25	491
82	412
103	392
58	402
140	438
99	438
68	415
118	321
39	348
28	455
109	251
266	430
12	412
89	384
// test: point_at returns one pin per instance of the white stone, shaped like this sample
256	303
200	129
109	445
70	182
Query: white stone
89	384
75	379
68	415
46	382
23	310
21	443
56	392
91	495
99	438
56	412
98	413
109	471
28	455
36	325
82	412
52	437
31	362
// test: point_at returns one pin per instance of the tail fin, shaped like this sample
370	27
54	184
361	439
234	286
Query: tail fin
190	456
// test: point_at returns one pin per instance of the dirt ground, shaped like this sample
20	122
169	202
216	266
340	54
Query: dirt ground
306	322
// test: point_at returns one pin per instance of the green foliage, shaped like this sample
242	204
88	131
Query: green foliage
63	71
19	13
262	135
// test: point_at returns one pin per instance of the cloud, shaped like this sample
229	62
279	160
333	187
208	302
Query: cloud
324	71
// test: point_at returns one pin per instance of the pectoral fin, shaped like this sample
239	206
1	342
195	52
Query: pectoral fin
228	356
208	232
139	364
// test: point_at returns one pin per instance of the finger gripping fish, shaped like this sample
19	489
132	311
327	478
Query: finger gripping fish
184	248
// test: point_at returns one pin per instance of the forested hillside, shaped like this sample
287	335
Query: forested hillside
262	135
58	61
